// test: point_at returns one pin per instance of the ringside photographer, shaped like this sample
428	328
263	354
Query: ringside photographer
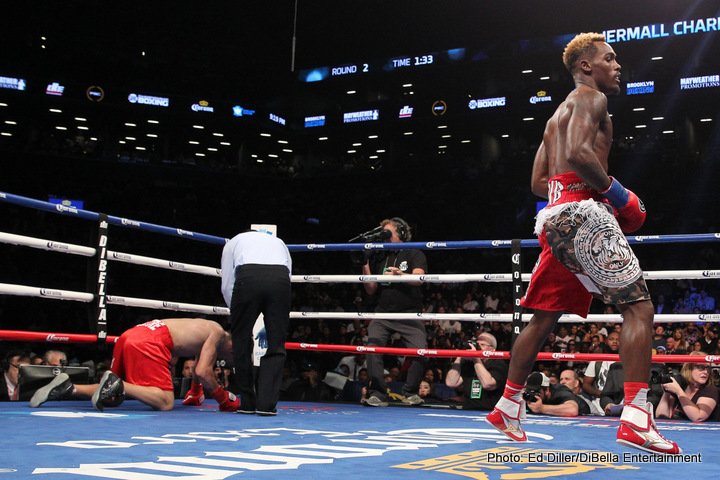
694	399
482	380
563	401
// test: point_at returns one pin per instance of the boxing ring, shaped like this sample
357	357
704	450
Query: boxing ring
70	439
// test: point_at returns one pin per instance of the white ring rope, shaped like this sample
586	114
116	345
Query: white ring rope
160	263
218	310
48	245
166	305
501	317
51	293
484	277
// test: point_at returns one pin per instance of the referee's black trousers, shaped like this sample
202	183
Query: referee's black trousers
260	289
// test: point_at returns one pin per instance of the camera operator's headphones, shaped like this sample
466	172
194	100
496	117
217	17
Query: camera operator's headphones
403	229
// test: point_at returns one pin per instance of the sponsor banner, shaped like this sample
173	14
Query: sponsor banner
640	88
362	116
239	111
704	81
55	89
11	83
476	104
202	106
315	121
149	100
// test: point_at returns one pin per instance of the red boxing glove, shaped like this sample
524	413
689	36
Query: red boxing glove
195	396
632	216
227	400
629	209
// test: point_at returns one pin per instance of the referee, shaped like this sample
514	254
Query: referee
256	269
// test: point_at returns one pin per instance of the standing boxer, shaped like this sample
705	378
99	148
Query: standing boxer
584	251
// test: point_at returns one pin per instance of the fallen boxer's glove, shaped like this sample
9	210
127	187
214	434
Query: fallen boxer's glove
227	400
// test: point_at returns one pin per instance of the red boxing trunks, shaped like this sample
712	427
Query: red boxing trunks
142	355
584	253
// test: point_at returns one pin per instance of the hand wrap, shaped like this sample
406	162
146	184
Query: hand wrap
629	209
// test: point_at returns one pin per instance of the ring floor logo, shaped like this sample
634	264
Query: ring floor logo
521	463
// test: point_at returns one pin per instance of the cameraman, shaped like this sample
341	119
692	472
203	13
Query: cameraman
695	401
395	297
563	401
482	384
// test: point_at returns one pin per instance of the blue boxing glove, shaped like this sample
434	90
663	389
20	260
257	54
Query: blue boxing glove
630	210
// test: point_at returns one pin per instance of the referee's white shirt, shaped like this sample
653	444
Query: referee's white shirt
251	248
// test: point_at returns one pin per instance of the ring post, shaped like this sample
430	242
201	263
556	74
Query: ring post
100	323
517	287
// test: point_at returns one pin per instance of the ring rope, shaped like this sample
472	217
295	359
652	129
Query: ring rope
431	352
447	245
161	263
49	293
48	337
485	277
500	317
55	294
167	305
49	245
23	336
117	221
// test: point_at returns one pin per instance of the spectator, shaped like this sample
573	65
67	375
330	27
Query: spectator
470	304
661	306
706	302
697	401
613	395
309	388
483	384
681	346
10	374
708	339
188	367
596	374
56	358
659	336
353	363
563	401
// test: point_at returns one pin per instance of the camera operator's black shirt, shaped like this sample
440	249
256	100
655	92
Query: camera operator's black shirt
562	394
498	369
398	297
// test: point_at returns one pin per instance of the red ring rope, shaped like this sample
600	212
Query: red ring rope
19	335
